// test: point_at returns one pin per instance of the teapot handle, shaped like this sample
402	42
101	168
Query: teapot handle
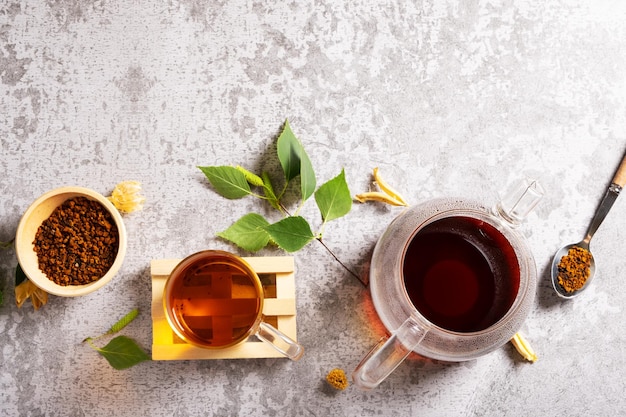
388	353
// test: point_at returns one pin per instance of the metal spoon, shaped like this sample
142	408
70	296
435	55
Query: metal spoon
619	181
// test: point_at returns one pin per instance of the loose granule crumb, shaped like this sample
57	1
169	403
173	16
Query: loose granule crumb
78	243
337	379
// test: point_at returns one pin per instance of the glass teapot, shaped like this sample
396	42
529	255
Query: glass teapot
451	280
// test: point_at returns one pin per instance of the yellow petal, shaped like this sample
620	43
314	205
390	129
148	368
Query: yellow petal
39	298
126	198
27	290
378	196
524	348
387	188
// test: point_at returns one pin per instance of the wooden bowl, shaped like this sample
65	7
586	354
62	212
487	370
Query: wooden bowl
35	215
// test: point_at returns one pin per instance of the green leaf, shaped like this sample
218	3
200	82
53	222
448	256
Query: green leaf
307	176
333	198
295	161
288	149
123	352
20	276
124	321
268	190
248	232
251	177
291	233
227	181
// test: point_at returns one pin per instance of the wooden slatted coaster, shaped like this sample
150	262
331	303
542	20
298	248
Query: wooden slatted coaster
279	309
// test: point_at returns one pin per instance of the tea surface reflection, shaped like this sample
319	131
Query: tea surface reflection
461	274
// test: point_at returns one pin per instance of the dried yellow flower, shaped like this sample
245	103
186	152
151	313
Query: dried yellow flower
337	379
387	188
27	290
524	348
388	194
377	196
126	197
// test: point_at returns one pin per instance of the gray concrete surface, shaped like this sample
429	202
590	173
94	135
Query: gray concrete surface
448	98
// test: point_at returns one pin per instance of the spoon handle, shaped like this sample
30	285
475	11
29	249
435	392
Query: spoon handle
619	180
620	175
603	209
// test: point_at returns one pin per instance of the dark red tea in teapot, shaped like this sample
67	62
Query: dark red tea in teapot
461	273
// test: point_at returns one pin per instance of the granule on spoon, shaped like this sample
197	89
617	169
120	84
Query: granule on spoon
574	269
78	243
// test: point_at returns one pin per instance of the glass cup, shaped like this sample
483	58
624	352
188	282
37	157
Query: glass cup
214	300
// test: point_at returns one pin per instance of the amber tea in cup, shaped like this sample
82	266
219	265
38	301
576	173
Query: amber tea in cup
461	273
214	299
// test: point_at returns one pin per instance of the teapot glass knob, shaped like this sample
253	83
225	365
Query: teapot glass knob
519	201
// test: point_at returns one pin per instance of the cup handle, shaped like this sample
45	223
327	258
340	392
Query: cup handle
279	341
387	354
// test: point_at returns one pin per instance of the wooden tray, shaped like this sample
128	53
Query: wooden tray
279	309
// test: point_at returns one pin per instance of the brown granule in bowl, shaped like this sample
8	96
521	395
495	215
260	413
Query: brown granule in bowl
78	243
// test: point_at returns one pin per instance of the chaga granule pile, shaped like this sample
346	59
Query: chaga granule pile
574	269
78	243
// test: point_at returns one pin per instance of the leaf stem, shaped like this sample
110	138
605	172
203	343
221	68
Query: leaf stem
283	209
354	274
283	191
90	343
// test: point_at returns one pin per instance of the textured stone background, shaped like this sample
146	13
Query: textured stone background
447	97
